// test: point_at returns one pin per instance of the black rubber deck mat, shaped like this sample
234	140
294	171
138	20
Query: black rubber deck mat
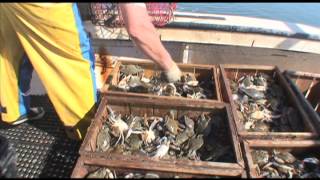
42	146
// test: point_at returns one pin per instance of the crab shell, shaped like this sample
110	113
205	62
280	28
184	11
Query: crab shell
130	175
130	69
123	84
258	115
101	173
193	83
119	127
109	174
162	150
170	89
148	136
103	139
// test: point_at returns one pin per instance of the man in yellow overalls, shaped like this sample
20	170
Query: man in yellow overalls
50	38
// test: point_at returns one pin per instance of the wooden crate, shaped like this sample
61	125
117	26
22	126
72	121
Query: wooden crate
103	66
86	165
301	147
200	71
307	88
235	71
140	107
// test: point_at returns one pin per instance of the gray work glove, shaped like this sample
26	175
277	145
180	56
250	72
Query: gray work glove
173	74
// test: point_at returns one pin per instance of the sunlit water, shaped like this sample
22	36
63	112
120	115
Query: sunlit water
305	13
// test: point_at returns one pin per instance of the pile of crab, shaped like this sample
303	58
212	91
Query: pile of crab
133	79
106	173
262	105
200	138
283	164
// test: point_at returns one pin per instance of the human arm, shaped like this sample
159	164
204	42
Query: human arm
145	36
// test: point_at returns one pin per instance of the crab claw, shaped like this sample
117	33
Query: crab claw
117	141
111	112
130	128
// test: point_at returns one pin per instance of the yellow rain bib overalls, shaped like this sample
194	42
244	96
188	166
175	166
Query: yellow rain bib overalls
50	38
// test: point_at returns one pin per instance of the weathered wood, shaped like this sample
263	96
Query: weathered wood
247	67
301	73
252	169
301	147
308	85
229	71
133	106
165	101
237	146
275	135
313	93
155	97
295	102
283	143
112	78
86	165
309	104
217	84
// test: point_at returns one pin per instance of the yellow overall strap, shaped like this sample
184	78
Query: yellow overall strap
53	37
11	53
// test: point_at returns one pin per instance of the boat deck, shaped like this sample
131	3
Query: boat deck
41	146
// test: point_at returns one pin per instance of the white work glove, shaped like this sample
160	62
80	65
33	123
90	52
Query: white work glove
173	74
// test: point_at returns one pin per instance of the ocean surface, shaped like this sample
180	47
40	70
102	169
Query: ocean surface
304	13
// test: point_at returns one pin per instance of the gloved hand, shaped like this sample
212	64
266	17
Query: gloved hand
173	74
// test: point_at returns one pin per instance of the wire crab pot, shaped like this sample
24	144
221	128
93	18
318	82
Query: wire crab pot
109	14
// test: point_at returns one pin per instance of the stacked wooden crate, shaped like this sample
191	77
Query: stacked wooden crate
222	103
297	143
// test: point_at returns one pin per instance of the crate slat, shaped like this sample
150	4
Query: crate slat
85	165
